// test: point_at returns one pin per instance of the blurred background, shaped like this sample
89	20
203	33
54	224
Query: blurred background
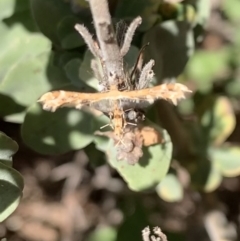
72	190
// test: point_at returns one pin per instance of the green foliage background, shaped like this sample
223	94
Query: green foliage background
40	51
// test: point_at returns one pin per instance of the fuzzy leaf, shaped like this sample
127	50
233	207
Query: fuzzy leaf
103	233
230	8
147	9
150	169
68	36
170	189
72	71
172	44
26	81
58	20
11	182
54	11
18	44
214	178
19	47
226	159
203	11
204	67
7	8
11	186
10	198
55	133
85	71
8	148
219	120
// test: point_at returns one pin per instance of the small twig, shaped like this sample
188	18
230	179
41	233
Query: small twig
153	238
145	234
88	40
146	75
159	235
157	231
121	28
98	75
107	41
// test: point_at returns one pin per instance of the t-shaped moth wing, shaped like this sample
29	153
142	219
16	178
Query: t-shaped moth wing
103	101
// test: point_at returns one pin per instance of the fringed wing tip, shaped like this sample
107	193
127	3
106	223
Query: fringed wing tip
45	97
180	91
44	100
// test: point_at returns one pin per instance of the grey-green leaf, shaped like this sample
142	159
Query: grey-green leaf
8	148
171	45
226	159
54	133
170	188
11	181
150	169
11	186
7	8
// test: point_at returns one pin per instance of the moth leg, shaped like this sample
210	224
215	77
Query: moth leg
130	123
109	124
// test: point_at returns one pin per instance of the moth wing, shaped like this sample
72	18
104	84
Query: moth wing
56	99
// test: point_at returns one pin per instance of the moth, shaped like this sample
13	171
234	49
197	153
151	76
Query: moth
114	101
123	92
112	77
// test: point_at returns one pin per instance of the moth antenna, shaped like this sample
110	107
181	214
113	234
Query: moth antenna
138	65
146	75
129	35
130	123
87	37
